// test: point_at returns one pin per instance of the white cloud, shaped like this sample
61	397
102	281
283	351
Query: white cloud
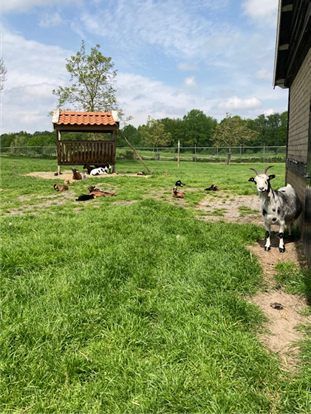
21	6
237	103
264	74
268	112
179	29
263	12
190	82
139	97
33	71
48	20
29	62
26	108
188	67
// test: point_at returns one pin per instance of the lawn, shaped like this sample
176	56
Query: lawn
131	304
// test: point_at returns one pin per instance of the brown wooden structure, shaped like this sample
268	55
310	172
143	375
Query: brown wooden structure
293	71
93	152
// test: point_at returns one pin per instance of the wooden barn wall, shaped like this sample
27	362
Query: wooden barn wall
299	131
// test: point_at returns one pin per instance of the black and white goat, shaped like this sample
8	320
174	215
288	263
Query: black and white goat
106	167
101	170
281	207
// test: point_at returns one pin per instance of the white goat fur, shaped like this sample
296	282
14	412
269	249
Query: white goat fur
281	207
101	170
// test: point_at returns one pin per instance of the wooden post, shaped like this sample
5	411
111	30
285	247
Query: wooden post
178	154
58	155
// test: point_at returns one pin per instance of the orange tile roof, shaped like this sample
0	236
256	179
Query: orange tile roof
85	118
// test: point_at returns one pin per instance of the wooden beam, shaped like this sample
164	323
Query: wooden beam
134	150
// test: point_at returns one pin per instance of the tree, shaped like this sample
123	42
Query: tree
92	76
277	129
131	134
198	128
20	140
272	129
176	128
231	132
3	73
154	133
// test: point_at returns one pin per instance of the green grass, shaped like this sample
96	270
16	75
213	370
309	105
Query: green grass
131	304
245	211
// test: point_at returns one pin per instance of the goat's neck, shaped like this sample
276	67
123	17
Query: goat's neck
267	195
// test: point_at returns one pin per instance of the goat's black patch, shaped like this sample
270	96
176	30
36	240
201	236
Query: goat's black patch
264	212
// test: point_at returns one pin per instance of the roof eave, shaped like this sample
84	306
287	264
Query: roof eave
282	43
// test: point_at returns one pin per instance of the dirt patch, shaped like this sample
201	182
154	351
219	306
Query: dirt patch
231	208
67	175
284	312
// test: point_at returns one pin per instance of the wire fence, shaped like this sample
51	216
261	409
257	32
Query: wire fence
192	154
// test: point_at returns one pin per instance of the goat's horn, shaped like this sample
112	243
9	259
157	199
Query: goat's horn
266	169
256	171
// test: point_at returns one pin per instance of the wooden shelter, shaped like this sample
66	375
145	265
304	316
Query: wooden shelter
93	152
293	71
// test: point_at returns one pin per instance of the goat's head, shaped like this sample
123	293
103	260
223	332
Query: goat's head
262	181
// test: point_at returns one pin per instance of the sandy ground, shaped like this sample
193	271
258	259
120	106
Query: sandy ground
285	312
67	175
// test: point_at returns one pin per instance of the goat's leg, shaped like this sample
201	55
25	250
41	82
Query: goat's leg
268	241
281	236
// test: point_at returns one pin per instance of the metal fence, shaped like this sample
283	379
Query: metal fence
191	154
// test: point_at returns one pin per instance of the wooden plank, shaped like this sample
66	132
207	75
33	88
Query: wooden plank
86	152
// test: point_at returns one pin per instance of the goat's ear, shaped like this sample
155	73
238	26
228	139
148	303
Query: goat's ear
252	179
271	176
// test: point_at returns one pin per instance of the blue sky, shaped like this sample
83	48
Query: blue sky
172	56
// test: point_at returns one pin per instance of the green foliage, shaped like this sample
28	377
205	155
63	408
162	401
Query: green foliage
198	128
232	132
272	129
45	138
153	133
195	129
92	88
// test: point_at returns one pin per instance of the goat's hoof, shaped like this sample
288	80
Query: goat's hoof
267	248
282	249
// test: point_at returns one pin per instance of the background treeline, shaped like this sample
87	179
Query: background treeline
194	129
